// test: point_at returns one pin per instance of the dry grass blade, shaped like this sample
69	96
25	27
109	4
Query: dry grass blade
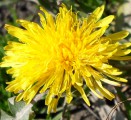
115	107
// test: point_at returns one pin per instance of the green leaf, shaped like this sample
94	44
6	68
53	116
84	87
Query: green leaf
15	106
58	116
5	116
20	110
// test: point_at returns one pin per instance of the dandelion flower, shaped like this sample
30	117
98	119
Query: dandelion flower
65	52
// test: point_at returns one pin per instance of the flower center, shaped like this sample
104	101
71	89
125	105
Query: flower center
65	56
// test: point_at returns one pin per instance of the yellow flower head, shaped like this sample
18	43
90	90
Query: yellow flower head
64	52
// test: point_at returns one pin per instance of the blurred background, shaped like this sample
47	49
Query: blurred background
11	10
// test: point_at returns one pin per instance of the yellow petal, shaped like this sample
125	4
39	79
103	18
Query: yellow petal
121	58
122	52
49	108
117	78
49	19
56	85
65	83
19	34
125	45
47	84
112	71
98	12
111	82
42	20
76	79
55	102
80	89
79	80
85	72
49	98
105	66
96	35
104	91
89	83
105	21
103	47
118	36
69	96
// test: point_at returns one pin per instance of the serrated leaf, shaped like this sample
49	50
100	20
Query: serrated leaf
5	116
20	110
